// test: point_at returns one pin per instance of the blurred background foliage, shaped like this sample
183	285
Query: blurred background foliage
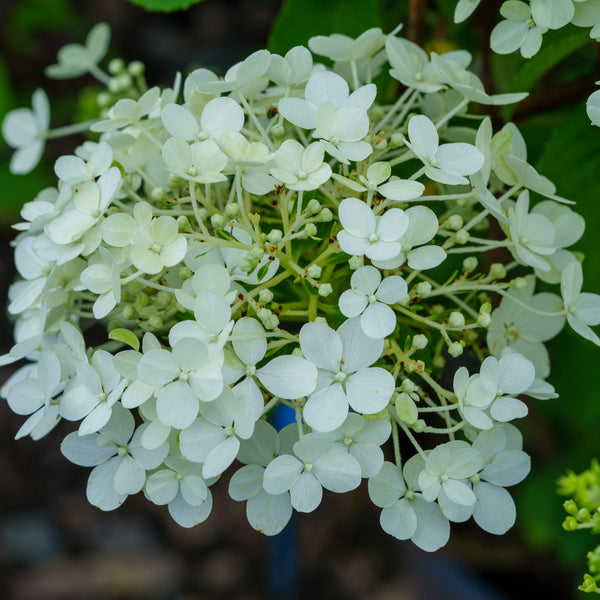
559	434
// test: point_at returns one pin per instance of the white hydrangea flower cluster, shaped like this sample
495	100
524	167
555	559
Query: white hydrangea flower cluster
283	237
525	23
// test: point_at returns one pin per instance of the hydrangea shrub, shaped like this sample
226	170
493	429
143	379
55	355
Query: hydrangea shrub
289	234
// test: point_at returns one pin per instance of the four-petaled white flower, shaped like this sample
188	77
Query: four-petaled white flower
369	297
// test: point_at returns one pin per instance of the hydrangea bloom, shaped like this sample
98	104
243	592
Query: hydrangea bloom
216	245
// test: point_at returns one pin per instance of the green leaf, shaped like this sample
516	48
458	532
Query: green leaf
164	5
313	291
536	67
299	20
125	336
336	259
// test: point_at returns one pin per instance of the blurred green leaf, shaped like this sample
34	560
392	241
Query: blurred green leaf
164	5
549	56
6	93
299	20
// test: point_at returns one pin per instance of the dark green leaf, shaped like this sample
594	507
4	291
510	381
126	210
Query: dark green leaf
313	291
549	56
164	5
299	20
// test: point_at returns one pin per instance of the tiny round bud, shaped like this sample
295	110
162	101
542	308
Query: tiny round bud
246	266
136	68
257	252
113	85
486	307
571	507
116	66
497	271
456	319
438	361
158	193
264	313
155	322
128	312
419	425
469	264
272	322
314	271
455	349
183	223
408	385
278	131
519	283
570	524
313	206
356	262
325	215
275	236
164	298
325	289
232	210
297	352
381	144
423	289
396	140
461	236
419	341
455	222
104	99
583	514
185	273
310	229
484	320
217	221
265	296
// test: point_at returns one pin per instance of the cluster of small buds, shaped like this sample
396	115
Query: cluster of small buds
583	512
283	238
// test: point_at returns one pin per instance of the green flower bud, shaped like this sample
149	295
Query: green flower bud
423	289
257	252
155	322
455	222
325	215
184	273
275	236
218	221
456	319
406	409
419	341
497	271
461	236
310	230
455	349
469	264
277	131
245	265
136	68
313	207
232	210
128	312
116	66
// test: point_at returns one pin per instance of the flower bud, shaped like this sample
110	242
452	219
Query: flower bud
278	131
454	222
128	312
325	215
257	252
104	99
164	298
183	224
217	221
419	341
423	289
461	236
497	271
455	349
408	385
456	319
419	425
518	283
396	140
310	230
116	66
265	296
314	271
484	319
325	289
275	236
232	210
185	273
245	265
136	68
155	322
313	207
469	264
